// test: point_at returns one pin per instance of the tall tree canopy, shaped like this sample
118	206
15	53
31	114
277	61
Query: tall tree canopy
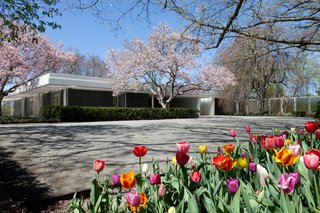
166	65
24	59
35	13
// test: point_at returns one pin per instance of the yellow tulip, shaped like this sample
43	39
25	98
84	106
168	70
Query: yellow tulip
287	142
242	162
203	149
285	157
174	160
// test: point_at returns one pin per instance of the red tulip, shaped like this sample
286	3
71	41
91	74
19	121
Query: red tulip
279	142
311	159
318	134
140	151
269	142
98	165
182	158
195	176
311	126
183	146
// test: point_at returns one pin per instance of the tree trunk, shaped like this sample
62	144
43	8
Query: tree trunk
1	98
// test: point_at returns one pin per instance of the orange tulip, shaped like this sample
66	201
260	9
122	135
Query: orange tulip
228	148
223	162
128	180
285	157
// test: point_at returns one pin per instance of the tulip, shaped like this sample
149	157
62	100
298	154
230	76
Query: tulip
311	159
233	133
285	157
116	179
183	147
279	142
223	162
287	183
269	142
262	174
182	158
252	166
155	179
248	129
195	176
133	199
293	129
285	134
128	180
145	168
242	162
296	177
143	199
296	150
311	126
260	196
174	160
98	165
287	141
228	148
171	210
139	151
318	134
203	149
162	190
233	185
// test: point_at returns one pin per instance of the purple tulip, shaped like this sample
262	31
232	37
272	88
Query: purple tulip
116	179
287	183
252	166
133	198
233	185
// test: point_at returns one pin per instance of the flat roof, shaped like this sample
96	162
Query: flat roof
57	81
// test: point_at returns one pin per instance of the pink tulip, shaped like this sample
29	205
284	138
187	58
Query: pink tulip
162	190
233	133
287	183
155	179
195	176
183	147
269	142
248	129
311	159
296	149
296	175
98	165
233	185
133	198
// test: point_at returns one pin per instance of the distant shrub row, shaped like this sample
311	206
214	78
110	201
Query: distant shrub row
80	114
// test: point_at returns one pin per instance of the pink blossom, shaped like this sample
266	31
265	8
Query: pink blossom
287	183
183	146
233	133
296	149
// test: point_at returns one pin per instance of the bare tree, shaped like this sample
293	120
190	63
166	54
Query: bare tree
293	23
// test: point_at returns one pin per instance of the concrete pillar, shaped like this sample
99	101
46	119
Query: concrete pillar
247	108
281	105
309	105
213	106
65	97
35	106
237	106
199	105
23	106
295	104
125	99
269	106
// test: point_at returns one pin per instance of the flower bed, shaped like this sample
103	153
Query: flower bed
268	173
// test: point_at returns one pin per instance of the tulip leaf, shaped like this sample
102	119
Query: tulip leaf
192	204
95	193
273	193
235	203
209	205
246	201
226	208
267	202
175	183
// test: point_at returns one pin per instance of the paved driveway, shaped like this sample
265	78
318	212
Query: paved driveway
40	160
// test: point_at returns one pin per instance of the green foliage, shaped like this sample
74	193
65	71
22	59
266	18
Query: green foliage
82	114
33	13
11	119
299	113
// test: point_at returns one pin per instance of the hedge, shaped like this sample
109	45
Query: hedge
81	114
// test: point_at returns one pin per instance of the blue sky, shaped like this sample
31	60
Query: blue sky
87	34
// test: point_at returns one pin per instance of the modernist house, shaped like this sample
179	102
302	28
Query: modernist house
53	89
